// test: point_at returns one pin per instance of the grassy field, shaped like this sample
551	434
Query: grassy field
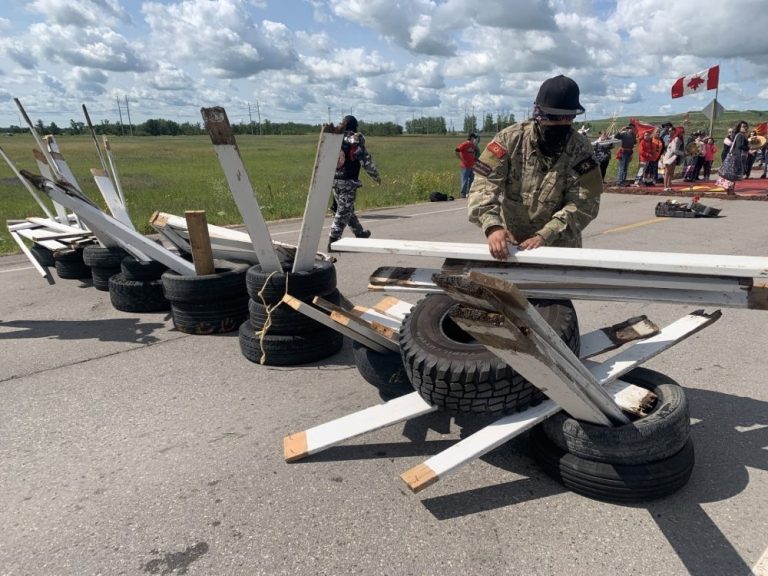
174	174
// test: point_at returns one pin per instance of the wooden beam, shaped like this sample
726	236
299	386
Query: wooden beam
323	318
302	444
202	256
704	264
43	271
217	125
317	200
372	330
111	196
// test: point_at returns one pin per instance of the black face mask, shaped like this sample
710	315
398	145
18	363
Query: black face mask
552	139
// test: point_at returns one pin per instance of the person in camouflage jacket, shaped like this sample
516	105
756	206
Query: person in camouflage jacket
352	156
537	183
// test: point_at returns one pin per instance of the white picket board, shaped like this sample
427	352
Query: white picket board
111	196
35	194
611	337
705	264
217	124
302	444
326	320
496	434
393	307
607	373
572	278
115	177
40	269
317	200
135	243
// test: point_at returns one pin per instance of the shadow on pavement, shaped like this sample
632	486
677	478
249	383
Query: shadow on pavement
112	330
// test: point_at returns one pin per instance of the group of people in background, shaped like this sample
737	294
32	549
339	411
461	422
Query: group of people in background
661	150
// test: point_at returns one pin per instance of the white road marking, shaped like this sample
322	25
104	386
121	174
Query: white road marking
761	568
17	269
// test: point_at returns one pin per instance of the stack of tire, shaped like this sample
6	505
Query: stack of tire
69	264
454	372
104	263
210	303
277	335
648	458
137	287
43	255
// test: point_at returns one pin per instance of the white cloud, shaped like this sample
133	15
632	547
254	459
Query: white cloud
221	37
81	12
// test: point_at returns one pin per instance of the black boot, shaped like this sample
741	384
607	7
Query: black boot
331	240
363	234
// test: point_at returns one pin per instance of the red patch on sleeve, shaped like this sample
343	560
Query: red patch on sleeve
497	149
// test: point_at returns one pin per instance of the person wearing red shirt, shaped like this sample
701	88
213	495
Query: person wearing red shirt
645	156
466	152
709	155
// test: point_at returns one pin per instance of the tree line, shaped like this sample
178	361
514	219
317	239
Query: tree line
163	127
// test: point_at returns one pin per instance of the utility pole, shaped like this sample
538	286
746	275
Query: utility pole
120	114
128	111
258	115
250	118
329	114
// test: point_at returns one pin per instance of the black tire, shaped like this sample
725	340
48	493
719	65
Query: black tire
384	370
286	320
142	270
613	482
70	266
101	277
660	434
289	350
215	317
456	373
43	255
100	257
137	295
227	282
269	287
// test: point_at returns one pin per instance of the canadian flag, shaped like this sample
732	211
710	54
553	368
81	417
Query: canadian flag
701	82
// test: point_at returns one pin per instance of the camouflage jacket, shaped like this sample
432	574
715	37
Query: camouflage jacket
518	187
352	156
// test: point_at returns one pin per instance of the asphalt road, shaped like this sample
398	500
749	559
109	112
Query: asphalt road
129	448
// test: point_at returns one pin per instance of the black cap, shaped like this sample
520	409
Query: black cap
559	95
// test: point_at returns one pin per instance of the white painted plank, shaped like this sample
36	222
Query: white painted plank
393	307
490	437
40	269
508	427
302	444
217	124
115	177
706	264
317	200
111	196
35	194
116	230
326	320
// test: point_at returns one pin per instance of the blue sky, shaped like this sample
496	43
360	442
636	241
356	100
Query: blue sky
383	60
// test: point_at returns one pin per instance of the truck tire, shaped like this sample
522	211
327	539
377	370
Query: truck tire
70	266
269	287
137	295
660	434
284	319
43	255
456	373
613	482
142	270
214	317
100	257
227	282
288	350
384	370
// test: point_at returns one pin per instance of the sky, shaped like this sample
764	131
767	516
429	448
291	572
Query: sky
381	60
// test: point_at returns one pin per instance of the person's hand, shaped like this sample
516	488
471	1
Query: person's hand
498	238
534	241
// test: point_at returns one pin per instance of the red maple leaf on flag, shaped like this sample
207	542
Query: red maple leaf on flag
695	82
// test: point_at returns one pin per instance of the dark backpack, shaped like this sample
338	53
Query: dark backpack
439	197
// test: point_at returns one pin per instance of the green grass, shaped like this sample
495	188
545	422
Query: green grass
174	174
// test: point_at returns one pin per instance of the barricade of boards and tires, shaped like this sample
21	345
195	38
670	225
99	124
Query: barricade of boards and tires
484	338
